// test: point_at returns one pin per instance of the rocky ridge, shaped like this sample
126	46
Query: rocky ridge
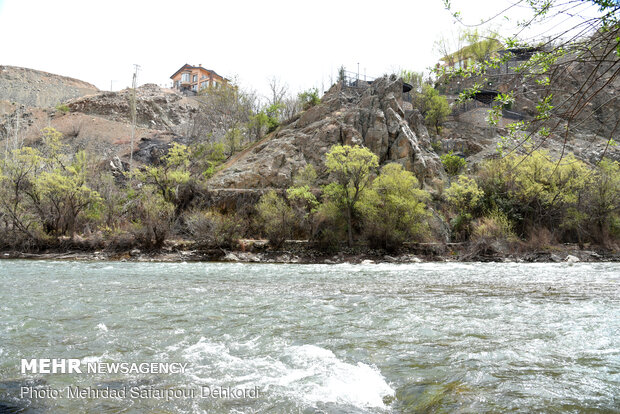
101	123
35	88
371	116
156	108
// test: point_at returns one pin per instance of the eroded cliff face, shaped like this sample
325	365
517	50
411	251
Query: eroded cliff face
371	116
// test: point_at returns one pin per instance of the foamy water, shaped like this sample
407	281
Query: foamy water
316	338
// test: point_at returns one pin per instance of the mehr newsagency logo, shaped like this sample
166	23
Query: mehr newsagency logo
76	366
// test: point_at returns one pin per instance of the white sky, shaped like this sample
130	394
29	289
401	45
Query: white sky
301	42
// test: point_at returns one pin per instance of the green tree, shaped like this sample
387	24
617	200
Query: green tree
45	191
205	157
232	141
415	79
58	193
435	108
16	174
604	196
273	113
259	122
222	109
172	177
152	217
536	191
342	75
464	195
544	188
309	98
301	197
394	209
276	217
213	229
481	46
453	164
351	169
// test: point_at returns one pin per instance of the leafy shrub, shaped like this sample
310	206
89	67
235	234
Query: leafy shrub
62	108
464	194
276	216
213	229
394	209
153	217
309	98
495	226
453	164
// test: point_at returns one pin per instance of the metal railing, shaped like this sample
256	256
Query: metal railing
355	80
467	106
512	115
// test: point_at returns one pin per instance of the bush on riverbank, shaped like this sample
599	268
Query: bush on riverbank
52	198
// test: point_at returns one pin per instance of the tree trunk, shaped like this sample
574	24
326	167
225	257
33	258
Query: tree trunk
350	232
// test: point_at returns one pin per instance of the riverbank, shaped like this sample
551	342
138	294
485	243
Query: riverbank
302	252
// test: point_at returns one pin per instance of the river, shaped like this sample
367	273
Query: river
253	338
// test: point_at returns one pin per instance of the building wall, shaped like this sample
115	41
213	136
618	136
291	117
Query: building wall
199	78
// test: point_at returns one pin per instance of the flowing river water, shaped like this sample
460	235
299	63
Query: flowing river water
386	338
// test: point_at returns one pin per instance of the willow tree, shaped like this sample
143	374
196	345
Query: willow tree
351	169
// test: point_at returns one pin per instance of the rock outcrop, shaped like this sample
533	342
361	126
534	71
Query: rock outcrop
156	108
101	123
35	88
370	116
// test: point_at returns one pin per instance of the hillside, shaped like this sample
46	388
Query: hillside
371	116
375	116
584	94
101	122
180	198
32	87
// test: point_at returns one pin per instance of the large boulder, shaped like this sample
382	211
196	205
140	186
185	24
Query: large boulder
371	116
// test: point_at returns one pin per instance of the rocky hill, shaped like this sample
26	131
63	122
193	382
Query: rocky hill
101	123
156	108
372	116
35	88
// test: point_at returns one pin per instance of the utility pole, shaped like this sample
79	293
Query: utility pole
17	116
133	113
358	71
6	134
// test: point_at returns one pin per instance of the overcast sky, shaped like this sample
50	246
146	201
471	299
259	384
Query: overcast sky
301	42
